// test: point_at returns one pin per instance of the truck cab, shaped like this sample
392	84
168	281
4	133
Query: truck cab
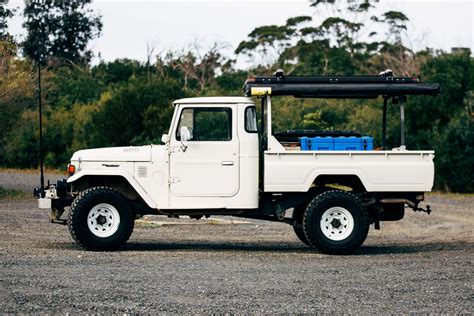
215	163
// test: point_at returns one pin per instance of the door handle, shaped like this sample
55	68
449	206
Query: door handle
227	163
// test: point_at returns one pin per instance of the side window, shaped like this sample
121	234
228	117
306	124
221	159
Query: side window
187	120
207	124
251	120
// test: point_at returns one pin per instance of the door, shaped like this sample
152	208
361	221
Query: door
208	163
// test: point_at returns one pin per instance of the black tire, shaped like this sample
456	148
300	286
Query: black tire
348	224
119	230
298	213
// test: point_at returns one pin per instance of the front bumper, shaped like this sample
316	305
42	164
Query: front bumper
45	203
54	197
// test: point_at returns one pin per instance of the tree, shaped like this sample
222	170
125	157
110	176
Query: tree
60	30
318	57
136	112
117	71
5	14
20	149
455	155
230	83
271	40
17	90
344	39
199	68
427	114
445	123
397	24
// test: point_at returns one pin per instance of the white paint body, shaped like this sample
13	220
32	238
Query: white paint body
225	174
379	171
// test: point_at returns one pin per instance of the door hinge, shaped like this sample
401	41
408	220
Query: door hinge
174	180
175	149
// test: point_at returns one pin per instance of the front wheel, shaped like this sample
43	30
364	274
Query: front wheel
335	222
100	219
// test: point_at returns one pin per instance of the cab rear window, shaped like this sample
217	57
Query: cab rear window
251	120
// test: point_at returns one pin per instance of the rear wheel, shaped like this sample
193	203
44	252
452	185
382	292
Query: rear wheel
100	219
335	222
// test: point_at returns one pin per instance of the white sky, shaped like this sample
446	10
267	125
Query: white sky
173	25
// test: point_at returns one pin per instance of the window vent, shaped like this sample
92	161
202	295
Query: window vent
141	171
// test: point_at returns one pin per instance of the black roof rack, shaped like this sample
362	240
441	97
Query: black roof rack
370	86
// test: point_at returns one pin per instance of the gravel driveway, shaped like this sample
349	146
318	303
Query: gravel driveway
26	180
420	264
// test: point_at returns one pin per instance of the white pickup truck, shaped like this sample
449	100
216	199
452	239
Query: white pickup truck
216	160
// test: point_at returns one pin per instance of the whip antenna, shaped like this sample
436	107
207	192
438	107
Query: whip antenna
38	62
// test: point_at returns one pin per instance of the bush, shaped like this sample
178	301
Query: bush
455	156
135	112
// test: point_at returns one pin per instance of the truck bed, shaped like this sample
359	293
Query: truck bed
379	171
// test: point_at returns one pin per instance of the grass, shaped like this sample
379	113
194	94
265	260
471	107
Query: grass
13	195
32	171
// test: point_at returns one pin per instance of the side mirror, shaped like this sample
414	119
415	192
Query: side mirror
165	138
185	134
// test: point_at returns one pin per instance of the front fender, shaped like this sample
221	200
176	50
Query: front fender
120	173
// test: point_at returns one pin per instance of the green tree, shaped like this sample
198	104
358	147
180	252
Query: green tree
197	71
17	91
271	40
133	113
117	71
60	30
455	155
74	84
5	14
229	83
445	123
318	57
427	114
336	45
20	149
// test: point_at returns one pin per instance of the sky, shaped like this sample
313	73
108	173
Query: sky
176	25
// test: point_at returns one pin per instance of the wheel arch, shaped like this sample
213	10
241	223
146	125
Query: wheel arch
121	181
352	181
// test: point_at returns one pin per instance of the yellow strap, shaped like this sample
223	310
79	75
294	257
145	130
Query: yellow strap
259	91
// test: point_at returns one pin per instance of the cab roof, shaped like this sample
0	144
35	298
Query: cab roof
214	100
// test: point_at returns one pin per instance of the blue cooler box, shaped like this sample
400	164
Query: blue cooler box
337	143
321	143
304	143
354	143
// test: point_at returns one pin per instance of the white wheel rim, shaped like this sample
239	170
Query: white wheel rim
103	220
337	223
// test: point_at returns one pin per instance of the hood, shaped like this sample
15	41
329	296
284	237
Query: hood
132	153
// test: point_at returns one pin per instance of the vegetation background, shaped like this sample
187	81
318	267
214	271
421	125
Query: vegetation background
127	102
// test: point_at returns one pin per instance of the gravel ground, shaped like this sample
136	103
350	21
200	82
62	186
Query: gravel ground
26	180
420	264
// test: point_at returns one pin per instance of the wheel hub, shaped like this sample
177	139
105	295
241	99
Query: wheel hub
337	223
103	220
